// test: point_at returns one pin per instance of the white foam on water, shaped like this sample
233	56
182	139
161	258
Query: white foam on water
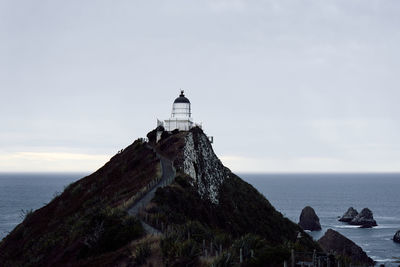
347	226
385	226
382	260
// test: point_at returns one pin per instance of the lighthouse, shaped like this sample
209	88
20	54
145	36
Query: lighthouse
181	118
181	115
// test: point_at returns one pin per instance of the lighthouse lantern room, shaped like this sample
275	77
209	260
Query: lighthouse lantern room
181	115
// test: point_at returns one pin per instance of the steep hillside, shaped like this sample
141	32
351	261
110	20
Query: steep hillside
87	220
205	214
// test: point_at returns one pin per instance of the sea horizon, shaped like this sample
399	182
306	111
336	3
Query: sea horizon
237	173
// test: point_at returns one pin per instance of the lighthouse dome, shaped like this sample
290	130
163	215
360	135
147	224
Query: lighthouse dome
182	99
181	107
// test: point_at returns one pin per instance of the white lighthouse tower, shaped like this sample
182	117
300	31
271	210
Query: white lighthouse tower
181	115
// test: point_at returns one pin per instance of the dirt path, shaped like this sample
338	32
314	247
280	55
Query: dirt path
167	177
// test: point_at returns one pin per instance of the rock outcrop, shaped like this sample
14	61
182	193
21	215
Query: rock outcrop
201	163
336	242
396	237
309	219
365	219
349	215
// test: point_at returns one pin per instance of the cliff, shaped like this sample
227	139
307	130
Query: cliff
176	188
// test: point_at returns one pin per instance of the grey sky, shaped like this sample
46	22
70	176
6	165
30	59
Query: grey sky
283	86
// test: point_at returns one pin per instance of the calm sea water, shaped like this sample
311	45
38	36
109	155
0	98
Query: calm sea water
21	192
329	194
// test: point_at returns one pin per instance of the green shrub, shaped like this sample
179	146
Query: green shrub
196	231
270	256
248	243
107	230
178	250
223	239
189	250
224	260
143	251
77	189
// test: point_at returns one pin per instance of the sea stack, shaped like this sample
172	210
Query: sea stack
349	215
309	219
341	245
365	219
396	237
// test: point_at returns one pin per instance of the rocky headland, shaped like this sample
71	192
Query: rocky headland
176	188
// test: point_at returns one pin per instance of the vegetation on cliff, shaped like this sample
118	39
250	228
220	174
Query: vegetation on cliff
206	208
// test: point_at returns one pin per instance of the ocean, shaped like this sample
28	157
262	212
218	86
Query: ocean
22	192
329	194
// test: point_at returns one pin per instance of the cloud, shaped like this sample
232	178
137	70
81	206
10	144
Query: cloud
282	83
307	165
50	162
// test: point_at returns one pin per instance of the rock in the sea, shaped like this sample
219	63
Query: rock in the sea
365	219
349	215
396	237
334	241
309	220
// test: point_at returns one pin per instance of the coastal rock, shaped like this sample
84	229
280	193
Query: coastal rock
396	237
309	219
365	219
334	241
349	215
201	164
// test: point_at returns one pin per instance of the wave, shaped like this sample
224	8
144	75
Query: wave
386	226
382	260
346	226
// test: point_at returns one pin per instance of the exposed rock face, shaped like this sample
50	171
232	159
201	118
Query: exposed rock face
309	219
349	215
201	163
396	237
365	218
334	241
193	155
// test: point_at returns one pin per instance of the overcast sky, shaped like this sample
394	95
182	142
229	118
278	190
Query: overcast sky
283	86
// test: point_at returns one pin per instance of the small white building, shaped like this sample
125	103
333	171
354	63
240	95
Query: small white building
181	115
